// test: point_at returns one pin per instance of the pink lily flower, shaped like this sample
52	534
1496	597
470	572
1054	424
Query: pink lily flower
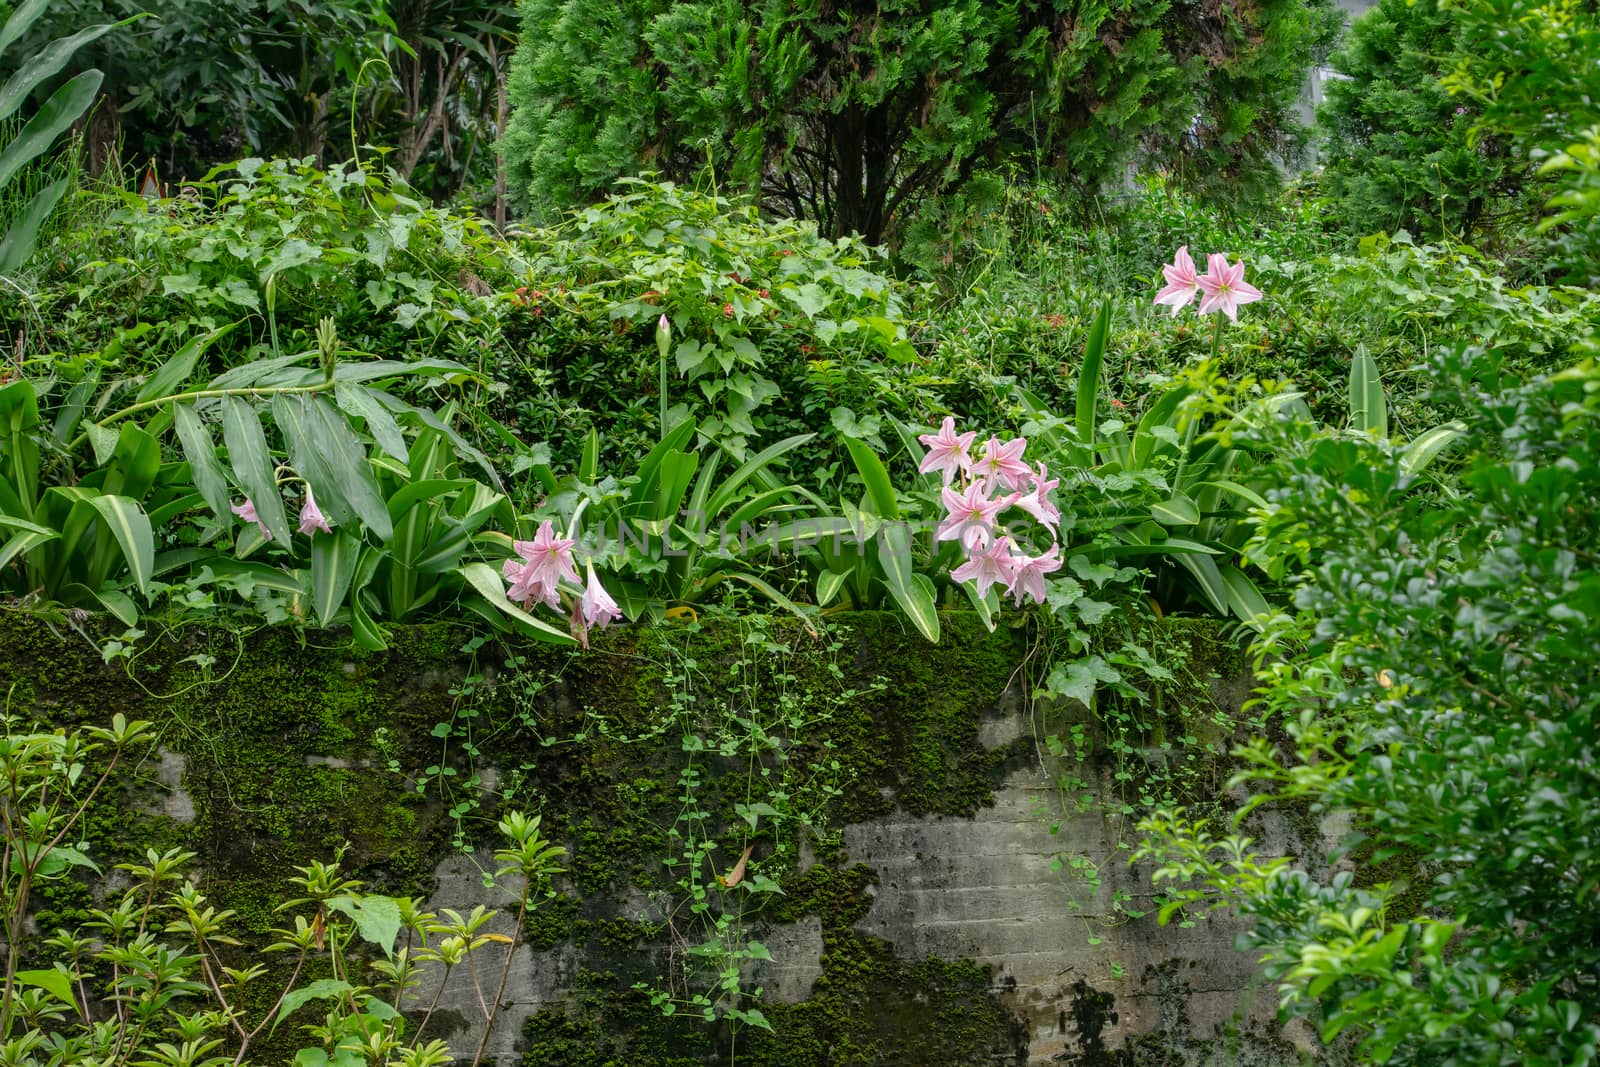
949	452
526	587
1182	283
594	608
311	517
1002	464
247	512
971	516
1225	288
548	556
1028	575
991	567
598	607
1036	501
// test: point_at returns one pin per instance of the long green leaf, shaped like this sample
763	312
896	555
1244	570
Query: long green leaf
675	440
1178	510
1243	596
201	453
27	538
43	63
23	234
987	606
291	582
65	106
170	376
252	464
19	472
329	455
26	14
444	552
486	581
1248	495
1147	438
135	462
828	585
358	402
724	493
1173	546
333	567
377	369
589	465
165	513
434	422
252	375
131	528
1208	579
409	496
915	598
677	469
331	432
113	601
756	507
1368	412
1425	448
772	594
1094	352
880	490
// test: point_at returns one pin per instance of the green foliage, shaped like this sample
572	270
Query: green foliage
851	119
1529	67
686	522
20	221
169	951
1401	151
276	246
302	78
386	474
1432	680
749	304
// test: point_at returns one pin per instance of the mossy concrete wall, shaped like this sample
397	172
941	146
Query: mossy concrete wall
943	900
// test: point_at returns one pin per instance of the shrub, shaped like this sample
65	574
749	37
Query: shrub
1431	681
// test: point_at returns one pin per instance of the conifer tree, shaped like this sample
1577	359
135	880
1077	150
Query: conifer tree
849	113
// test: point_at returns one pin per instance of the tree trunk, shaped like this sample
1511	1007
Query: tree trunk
102	137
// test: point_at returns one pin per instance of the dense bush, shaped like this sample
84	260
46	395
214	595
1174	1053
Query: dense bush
1529	66
852	118
1431	678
